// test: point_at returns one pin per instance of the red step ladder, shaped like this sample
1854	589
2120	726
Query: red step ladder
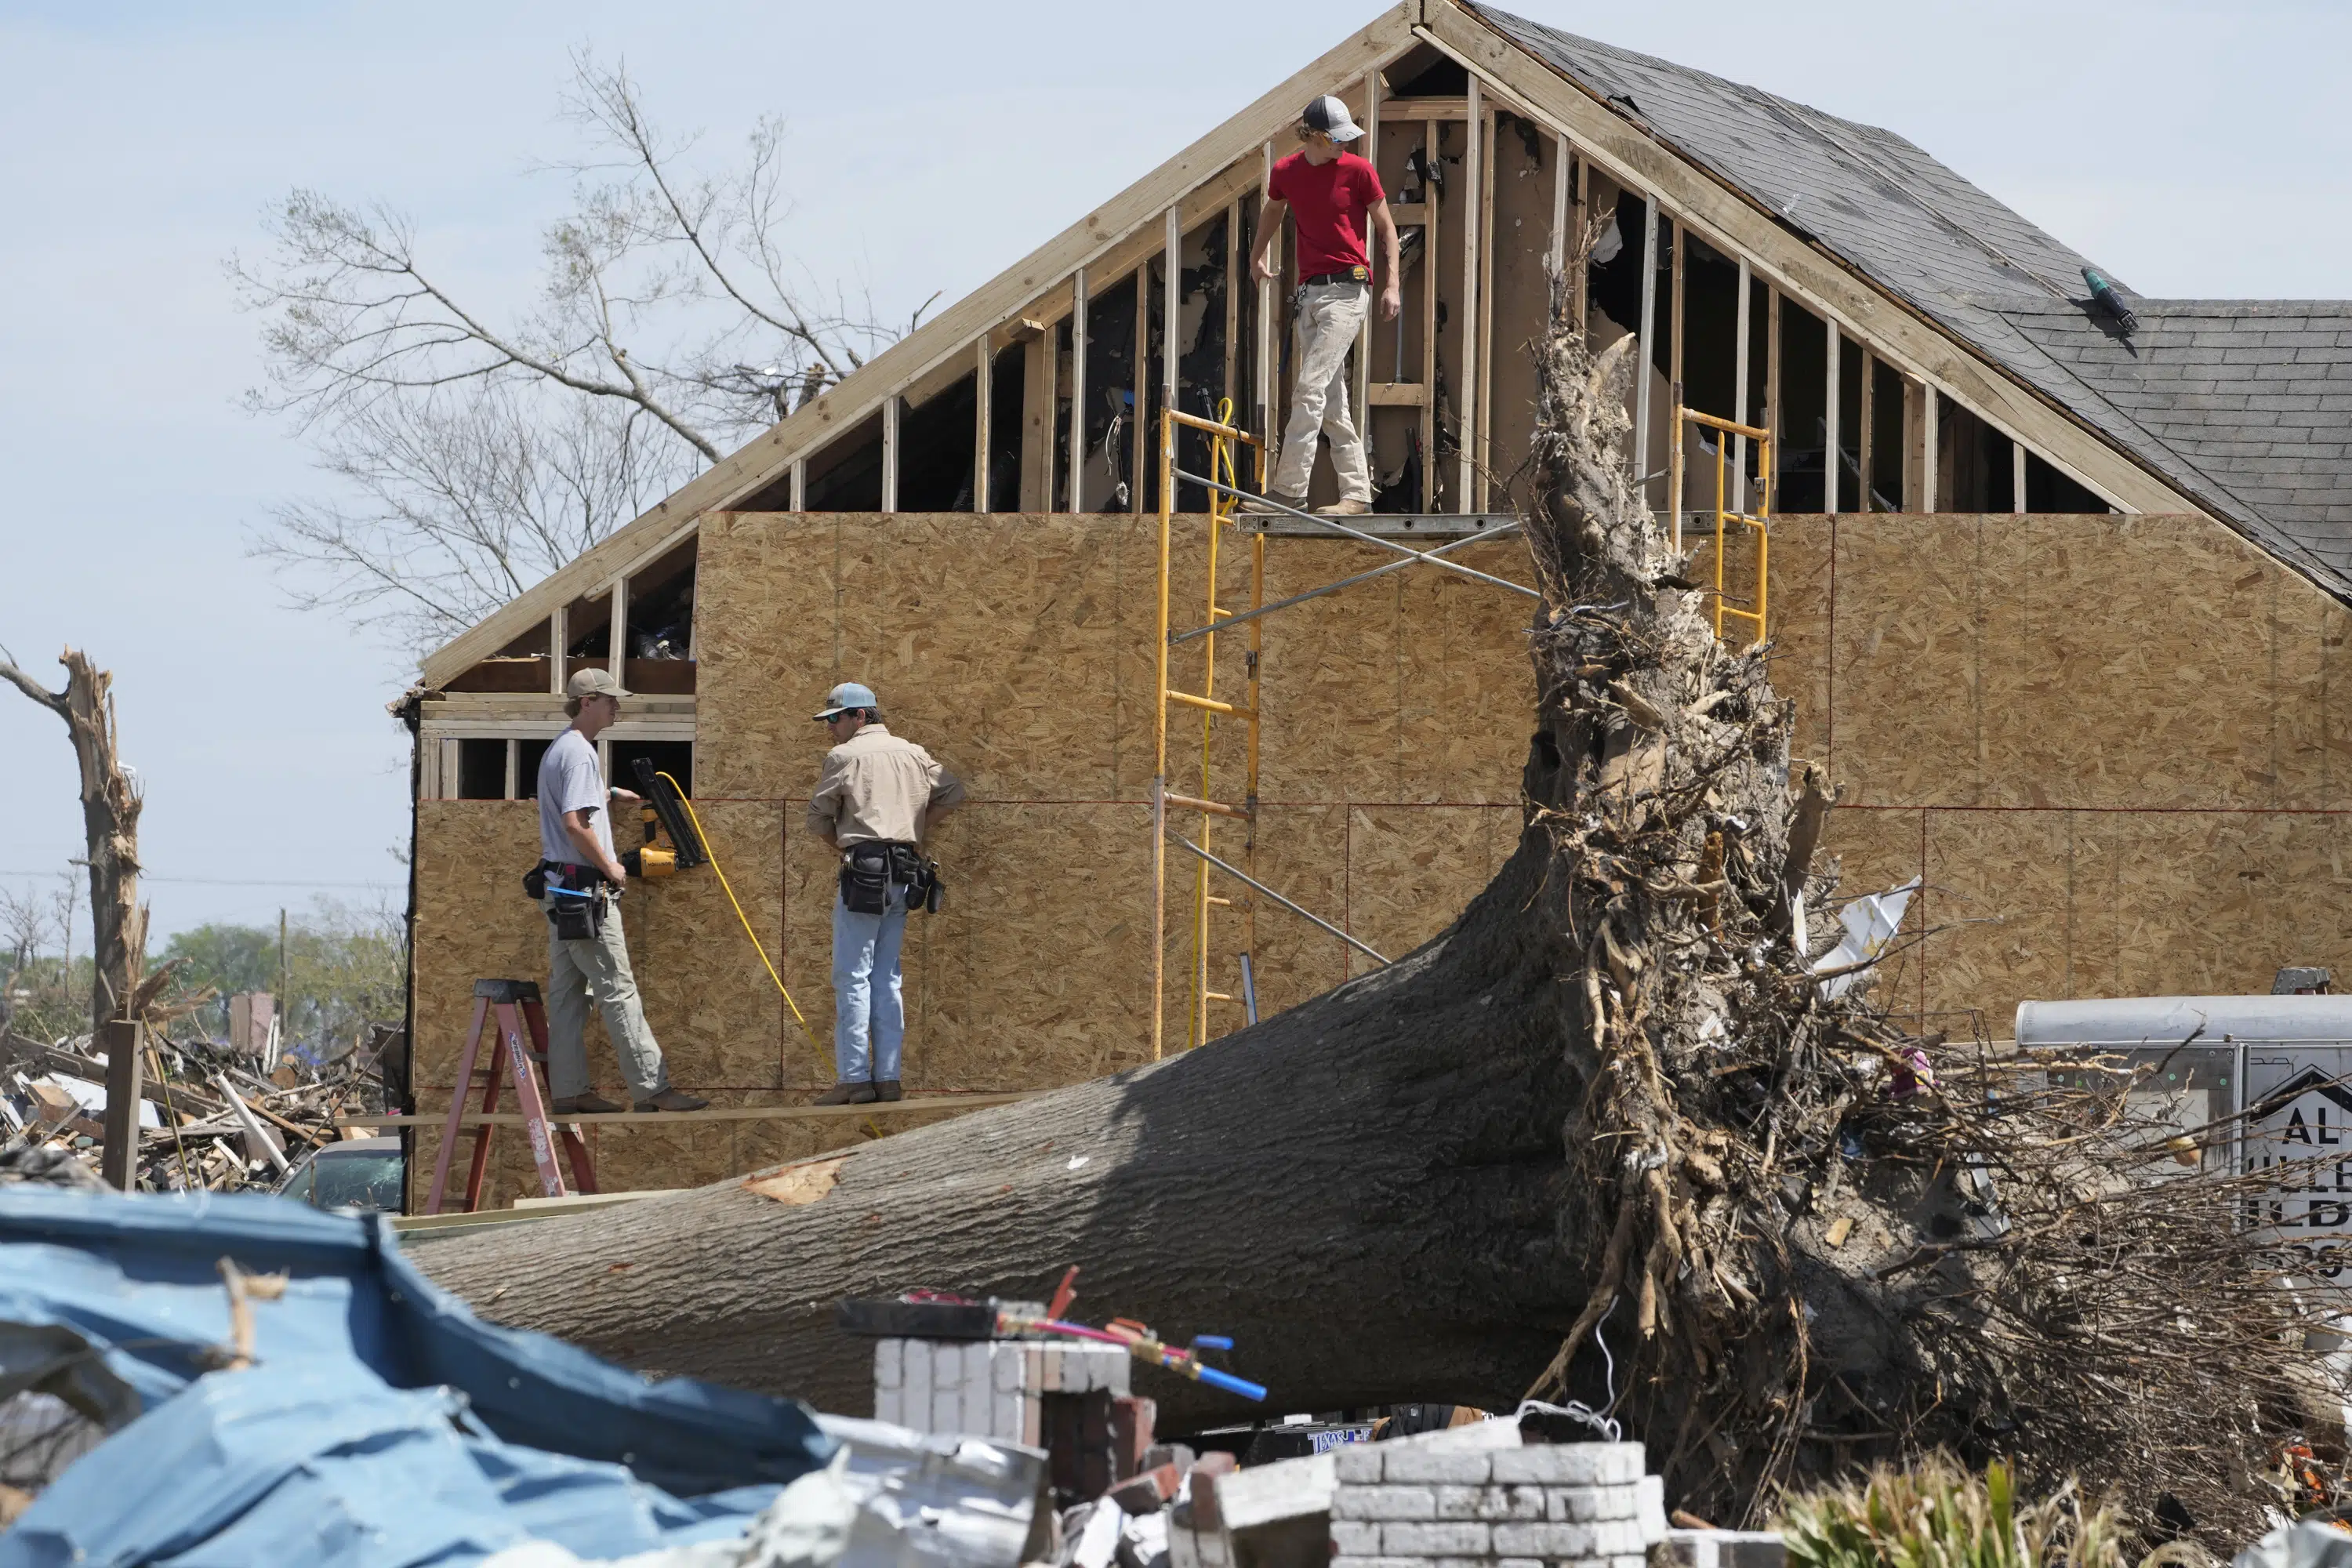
517	1004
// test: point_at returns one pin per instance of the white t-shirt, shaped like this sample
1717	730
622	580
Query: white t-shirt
570	780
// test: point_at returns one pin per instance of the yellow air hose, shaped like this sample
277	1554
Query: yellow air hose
806	1032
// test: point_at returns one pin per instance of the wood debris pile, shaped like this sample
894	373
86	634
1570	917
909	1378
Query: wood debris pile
209	1120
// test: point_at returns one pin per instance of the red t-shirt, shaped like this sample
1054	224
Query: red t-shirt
1330	201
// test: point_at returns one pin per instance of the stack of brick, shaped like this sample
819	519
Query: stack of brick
992	1388
1433	1504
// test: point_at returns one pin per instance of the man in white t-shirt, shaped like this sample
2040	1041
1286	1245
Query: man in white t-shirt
575	843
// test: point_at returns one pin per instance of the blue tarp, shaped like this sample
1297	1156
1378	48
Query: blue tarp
383	1423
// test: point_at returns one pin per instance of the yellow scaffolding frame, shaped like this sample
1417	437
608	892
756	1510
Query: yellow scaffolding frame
1225	499
1223	509
1726	514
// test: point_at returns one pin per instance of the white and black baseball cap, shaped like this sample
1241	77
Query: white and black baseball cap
1331	116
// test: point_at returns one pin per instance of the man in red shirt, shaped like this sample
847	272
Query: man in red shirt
1333	192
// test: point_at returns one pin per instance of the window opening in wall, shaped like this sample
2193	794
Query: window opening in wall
660	655
1975	469
1760	376
1443	156
935	448
529	754
2048	491
1426	73
674	758
587	634
1710	331
1849	373
481	769
1201	300
1889	431
1803	425
845	474
1105	474
1152	278
520	666
1008	394
1244	388
1615	270
1060	499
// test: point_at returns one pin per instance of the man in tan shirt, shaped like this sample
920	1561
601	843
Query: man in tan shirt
877	797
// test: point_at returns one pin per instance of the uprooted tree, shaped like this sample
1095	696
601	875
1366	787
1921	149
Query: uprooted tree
1608	1136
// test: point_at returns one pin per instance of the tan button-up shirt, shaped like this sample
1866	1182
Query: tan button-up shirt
877	786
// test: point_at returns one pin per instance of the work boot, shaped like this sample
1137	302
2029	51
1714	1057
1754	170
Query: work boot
582	1105
1295	503
673	1099
848	1094
1345	508
888	1089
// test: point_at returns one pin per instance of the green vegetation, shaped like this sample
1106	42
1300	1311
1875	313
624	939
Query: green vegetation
345	966
1939	1515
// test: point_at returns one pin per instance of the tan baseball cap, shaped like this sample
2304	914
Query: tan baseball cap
594	683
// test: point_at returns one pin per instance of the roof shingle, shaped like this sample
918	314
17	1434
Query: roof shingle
2244	405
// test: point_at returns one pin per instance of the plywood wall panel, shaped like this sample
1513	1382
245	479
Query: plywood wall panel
765	635
992	640
1302	854
1996	902
2109	739
1331	677
472	922
1034	975
1799	619
1467	695
2093	625
1909	661
1413	869
707	994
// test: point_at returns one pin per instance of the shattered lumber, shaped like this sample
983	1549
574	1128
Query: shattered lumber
1607	1137
202	1142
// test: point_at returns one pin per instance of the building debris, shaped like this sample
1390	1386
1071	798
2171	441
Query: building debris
208	1119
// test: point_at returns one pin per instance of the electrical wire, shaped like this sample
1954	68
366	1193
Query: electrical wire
757	945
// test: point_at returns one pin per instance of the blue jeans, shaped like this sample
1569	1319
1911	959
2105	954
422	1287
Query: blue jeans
865	947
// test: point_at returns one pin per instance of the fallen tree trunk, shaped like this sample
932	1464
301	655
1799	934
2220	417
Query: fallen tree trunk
1607	1138
1363	1190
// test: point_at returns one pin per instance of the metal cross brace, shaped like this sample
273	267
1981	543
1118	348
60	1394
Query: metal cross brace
1338	526
1508	528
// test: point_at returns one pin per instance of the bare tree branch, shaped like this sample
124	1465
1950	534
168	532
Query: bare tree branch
472	451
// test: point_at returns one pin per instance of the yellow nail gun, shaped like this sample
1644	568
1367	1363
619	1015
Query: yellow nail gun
664	816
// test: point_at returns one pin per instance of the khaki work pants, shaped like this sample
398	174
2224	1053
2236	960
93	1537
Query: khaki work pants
597	969
1329	317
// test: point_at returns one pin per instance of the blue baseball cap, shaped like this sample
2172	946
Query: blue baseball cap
844	697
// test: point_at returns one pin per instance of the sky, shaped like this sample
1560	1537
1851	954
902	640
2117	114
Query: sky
2193	150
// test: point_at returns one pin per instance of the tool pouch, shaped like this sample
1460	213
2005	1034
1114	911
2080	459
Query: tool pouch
579	913
534	883
866	877
925	890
